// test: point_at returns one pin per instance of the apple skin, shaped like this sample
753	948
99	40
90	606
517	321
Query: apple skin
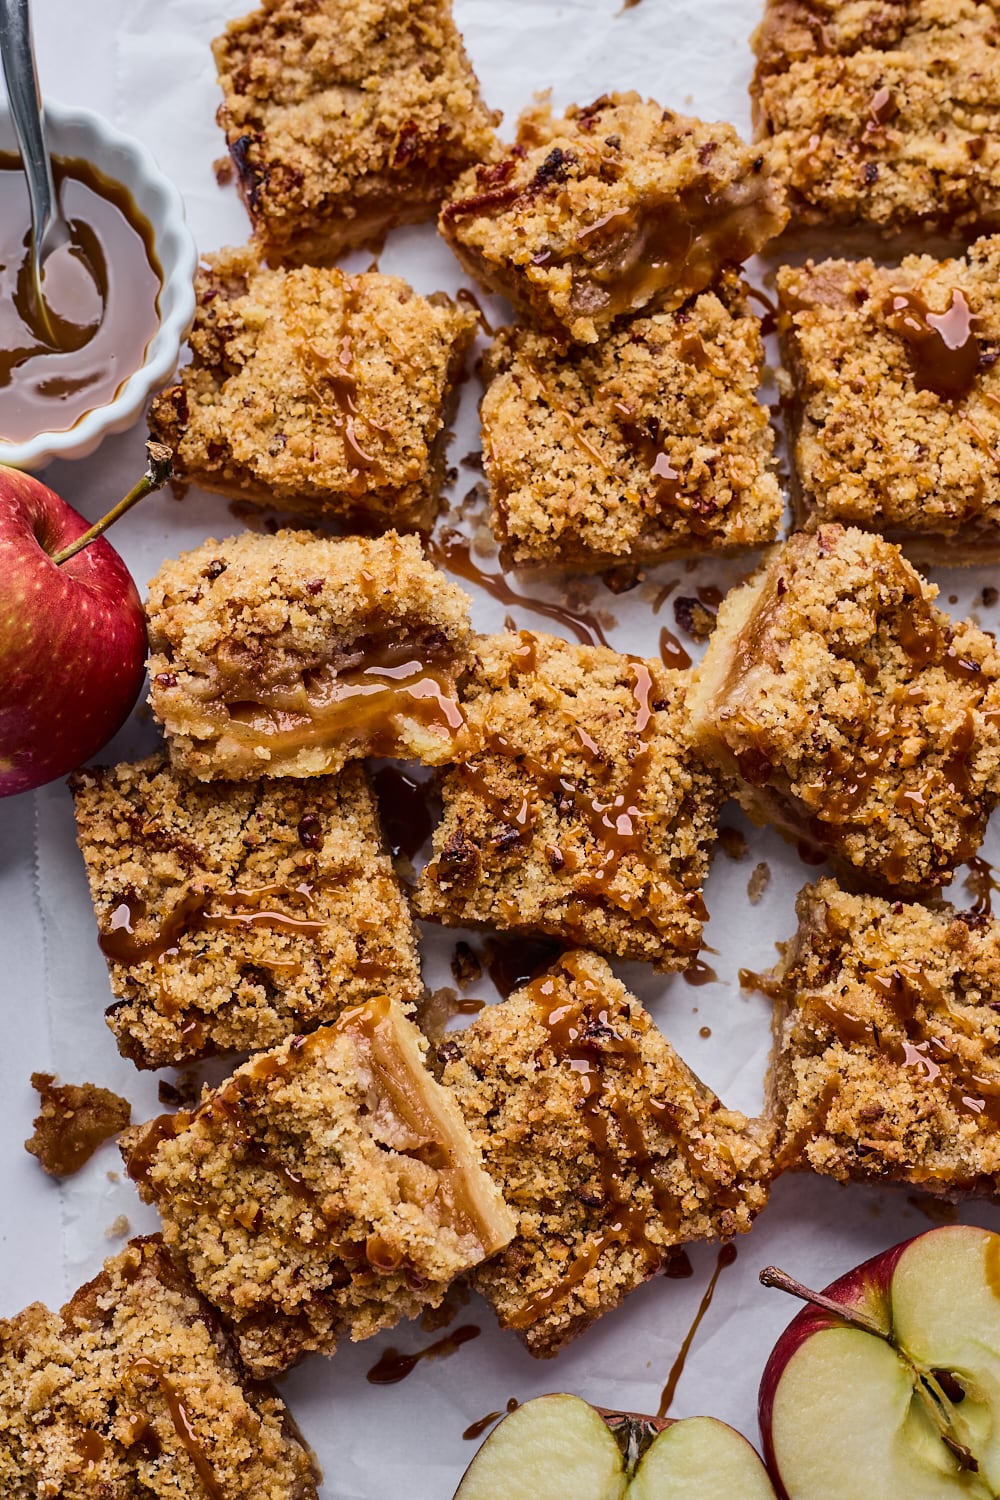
866	1288
72	638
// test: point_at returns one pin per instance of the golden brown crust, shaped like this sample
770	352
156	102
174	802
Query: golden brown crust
605	1144
884	115
234	914
580	811
328	1186
857	715
616	206
922	463
346	117
886	1036
135	1391
649	445
318	393
291	654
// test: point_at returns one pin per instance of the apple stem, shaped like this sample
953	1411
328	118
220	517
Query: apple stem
773	1277
155	477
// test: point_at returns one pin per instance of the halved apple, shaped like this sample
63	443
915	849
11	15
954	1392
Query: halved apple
557	1447
898	1397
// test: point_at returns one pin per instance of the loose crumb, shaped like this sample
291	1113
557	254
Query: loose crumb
75	1120
760	879
118	1229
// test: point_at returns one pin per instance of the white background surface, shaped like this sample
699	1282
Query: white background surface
146	65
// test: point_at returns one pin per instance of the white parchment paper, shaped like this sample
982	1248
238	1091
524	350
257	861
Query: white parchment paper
146	65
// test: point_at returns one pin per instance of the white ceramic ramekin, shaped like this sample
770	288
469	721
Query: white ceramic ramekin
80	134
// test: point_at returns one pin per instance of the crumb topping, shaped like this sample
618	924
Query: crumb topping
580	812
317	392
651	444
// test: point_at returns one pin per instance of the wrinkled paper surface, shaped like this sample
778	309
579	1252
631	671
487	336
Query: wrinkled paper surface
146	65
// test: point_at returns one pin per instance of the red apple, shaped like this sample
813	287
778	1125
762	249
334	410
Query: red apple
560	1448
72	638
898	1398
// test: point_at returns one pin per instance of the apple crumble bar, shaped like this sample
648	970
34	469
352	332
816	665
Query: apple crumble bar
607	1147
917	347
886	1041
315	392
234	914
579	810
858	717
133	1391
615	207
649	445
330	1185
883	118
346	117
289	655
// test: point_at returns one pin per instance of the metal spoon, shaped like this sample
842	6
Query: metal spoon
69	309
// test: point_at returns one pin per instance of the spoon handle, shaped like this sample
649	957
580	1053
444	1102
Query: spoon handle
21	78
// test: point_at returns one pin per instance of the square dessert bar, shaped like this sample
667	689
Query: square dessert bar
915	347
345	117
133	1390
615	207
315	392
886	1043
579	810
649	445
883	118
858	718
607	1147
235	914
330	1185
289	655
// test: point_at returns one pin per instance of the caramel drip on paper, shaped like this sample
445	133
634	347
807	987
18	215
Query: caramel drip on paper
476	1429
392	1366
453	551
726	1257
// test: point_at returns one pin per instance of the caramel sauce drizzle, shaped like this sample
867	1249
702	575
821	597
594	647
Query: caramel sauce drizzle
942	347
937	1062
392	1366
183	1425
726	1257
192	914
846	779
338	380
450	549
617	826
583	1036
